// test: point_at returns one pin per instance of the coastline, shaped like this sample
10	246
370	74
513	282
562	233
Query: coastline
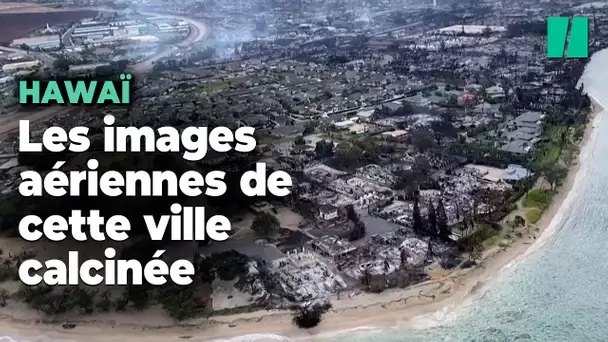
420	306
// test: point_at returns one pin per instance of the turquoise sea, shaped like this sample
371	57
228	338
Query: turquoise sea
558	292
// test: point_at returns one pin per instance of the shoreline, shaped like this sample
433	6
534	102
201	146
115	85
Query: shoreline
414	306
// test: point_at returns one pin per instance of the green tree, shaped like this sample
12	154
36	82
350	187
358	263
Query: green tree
442	221
366	277
139	296
556	175
351	214
432	219
423	140
179	302
105	303
475	250
4	296
83	299
430	253
452	100
357	232
61	64
519	221
324	149
300	140
309	315
416	217
265	224
486	32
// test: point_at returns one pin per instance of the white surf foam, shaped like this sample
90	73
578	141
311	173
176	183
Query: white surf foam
450	314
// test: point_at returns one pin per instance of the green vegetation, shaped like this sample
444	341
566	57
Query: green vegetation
265	224
214	86
533	215
549	151
538	199
299	140
62	64
309	316
225	266
4	296
8	272
236	310
483	237
358	231
179	302
324	149
474	243
50	301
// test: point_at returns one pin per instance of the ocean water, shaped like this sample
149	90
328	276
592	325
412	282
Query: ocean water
558	291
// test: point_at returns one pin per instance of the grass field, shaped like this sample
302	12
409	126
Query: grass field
533	215
538	199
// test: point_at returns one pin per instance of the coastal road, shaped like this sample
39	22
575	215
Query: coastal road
44	58
198	32
66	38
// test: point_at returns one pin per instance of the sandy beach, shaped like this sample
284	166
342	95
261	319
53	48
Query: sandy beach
414	306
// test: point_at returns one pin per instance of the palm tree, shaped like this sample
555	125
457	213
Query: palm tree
563	141
475	251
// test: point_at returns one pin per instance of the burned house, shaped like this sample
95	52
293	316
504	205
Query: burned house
328	212
332	247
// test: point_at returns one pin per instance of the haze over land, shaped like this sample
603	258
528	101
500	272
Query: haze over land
430	146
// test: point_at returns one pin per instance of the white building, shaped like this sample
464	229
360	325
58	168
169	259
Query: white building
91	31
181	26
42	42
496	92
78	70
471	29
358	128
328	212
123	23
20	66
366	115
344	124
144	39
129	30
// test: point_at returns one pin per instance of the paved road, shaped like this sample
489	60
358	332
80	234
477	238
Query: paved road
45	58
66	38
418	23
198	32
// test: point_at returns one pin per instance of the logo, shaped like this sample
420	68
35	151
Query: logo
577	45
